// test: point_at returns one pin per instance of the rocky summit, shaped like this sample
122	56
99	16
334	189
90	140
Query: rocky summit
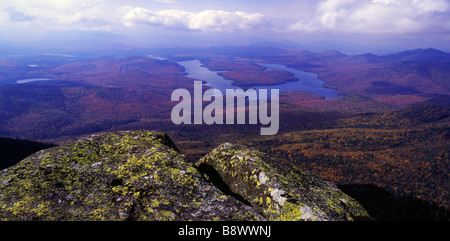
141	175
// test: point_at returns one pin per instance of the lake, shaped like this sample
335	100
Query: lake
23	81
308	82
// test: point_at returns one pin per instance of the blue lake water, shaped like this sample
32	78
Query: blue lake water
308	82
23	81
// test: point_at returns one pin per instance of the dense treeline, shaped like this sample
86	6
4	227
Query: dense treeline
40	112
406	162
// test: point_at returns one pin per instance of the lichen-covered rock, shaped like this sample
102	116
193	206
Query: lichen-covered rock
114	176
278	189
141	175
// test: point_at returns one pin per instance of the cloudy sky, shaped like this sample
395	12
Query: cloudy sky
376	24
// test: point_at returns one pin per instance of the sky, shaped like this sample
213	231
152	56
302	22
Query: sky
346	25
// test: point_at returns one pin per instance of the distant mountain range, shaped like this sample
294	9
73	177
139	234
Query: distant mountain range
421	73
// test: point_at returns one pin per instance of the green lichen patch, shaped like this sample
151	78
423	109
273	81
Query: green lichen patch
280	190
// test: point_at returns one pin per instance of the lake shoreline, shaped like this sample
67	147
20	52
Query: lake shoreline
307	82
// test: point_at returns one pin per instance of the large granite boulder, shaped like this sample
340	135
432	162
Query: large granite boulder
278	189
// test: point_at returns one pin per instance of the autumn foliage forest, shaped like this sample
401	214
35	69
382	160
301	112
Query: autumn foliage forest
385	142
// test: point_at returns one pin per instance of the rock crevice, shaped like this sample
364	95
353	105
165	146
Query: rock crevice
280	190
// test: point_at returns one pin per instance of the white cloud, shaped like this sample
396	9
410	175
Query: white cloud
4	16
207	20
378	16
165	1
80	14
109	14
341	16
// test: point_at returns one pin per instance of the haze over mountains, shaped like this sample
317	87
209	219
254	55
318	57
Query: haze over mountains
85	94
